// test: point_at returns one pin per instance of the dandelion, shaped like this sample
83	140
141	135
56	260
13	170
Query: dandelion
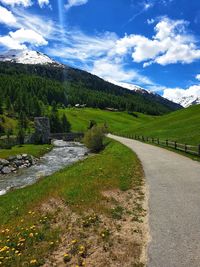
22	220
31	235
74	241
33	262
66	258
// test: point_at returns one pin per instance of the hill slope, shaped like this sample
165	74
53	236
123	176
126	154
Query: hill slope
81	87
182	125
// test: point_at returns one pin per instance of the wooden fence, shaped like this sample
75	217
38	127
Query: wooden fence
195	150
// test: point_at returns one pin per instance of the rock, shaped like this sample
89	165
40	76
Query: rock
21	167
31	159
19	157
13	169
24	156
4	162
1	167
11	158
6	170
17	163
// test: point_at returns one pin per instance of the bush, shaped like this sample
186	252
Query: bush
93	138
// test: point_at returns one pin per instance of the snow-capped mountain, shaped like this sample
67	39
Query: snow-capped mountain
187	101
27	57
132	87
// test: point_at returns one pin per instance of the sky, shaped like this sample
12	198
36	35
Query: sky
154	44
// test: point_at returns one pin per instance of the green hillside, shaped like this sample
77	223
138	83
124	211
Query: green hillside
182	125
116	121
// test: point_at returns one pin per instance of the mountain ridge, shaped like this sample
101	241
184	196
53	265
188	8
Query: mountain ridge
141	99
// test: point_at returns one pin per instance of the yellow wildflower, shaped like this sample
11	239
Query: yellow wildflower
31	235
33	261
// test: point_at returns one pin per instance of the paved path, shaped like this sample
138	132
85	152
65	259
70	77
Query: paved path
174	205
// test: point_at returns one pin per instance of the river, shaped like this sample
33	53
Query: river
63	154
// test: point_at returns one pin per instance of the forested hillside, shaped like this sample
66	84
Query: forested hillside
30	88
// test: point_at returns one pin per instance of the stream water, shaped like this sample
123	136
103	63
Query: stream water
62	155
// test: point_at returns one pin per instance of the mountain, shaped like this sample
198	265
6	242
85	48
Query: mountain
186	101
27	57
35	74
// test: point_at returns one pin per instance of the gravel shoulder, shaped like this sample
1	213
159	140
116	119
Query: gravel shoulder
174	205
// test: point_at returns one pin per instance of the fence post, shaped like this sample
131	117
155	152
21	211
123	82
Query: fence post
185	148
147	139
175	144
166	142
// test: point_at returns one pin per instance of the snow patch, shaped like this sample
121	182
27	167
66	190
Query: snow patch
27	57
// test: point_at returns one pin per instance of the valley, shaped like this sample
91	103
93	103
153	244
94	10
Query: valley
72	207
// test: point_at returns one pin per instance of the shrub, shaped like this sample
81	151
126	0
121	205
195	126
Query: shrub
93	138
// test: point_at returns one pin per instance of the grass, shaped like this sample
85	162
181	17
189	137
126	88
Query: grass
34	150
117	121
79	186
182	126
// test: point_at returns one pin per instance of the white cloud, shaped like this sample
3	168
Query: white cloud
142	7
19	38
198	77
150	21
7	17
79	46
170	44
10	43
36	23
28	36
42	3
24	3
179	95
72	3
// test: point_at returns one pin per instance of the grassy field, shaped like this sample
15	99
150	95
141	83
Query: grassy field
117	121
182	126
26	234
34	150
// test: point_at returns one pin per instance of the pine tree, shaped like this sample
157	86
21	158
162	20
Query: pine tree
1	106
66	126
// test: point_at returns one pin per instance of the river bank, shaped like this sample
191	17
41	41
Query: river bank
63	154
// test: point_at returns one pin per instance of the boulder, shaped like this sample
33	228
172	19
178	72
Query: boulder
11	158
4	162
6	170
19	157
18	163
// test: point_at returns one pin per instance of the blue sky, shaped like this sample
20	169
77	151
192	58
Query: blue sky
152	43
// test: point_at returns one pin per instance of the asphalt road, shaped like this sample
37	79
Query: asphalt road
174	205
